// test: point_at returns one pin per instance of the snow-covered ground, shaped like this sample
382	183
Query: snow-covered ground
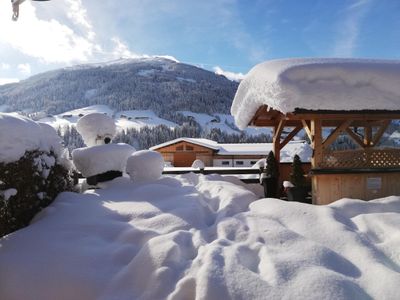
208	122
202	237
124	120
138	119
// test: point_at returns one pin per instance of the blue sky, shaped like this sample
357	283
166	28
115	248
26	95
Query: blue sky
224	35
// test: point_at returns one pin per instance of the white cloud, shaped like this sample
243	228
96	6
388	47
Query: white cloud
5	66
47	40
24	69
78	14
121	50
349	28
230	75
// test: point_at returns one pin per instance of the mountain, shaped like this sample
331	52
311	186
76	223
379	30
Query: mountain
158	84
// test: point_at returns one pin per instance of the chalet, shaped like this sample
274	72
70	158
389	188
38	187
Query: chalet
328	98
182	152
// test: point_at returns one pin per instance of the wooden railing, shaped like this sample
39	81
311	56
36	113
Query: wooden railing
361	158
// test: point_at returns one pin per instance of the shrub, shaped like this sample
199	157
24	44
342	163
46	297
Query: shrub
271	170
37	178
297	175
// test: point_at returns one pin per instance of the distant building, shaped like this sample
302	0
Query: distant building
182	152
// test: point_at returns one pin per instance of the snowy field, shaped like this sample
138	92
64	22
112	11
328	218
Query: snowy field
202	237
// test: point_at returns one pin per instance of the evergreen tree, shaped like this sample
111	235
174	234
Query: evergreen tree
271	168
297	175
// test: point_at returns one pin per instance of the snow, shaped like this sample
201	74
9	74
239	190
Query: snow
198	164
287	184
70	118
318	84
19	134
197	141
140	118
146	73
95	127
202	237
99	159
136	119
190	80
7	194
145	165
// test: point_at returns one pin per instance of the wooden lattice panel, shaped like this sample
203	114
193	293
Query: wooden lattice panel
371	158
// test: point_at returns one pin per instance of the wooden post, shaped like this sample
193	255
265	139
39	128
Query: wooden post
316	142
277	140
316	133
367	135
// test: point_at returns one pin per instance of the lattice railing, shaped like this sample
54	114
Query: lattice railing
363	158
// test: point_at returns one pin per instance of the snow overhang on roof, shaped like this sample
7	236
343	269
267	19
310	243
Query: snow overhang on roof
200	142
316	84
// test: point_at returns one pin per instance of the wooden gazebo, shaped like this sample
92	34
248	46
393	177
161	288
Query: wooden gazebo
367	172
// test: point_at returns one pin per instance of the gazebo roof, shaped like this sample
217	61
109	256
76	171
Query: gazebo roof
318	85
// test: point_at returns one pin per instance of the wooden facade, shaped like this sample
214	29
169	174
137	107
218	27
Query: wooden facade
366	173
183	154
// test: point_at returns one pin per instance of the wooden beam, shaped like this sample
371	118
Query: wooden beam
277	139
278	131
316	133
290	136
307	129
367	135
341	116
332	137
355	137
380	132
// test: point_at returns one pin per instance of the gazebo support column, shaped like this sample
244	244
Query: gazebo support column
316	143
277	140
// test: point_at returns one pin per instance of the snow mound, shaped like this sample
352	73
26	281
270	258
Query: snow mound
318	84
145	165
202	237
95	128
102	158
198	164
19	134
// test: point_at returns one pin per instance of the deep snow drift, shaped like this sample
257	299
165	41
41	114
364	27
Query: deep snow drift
318	83
202	237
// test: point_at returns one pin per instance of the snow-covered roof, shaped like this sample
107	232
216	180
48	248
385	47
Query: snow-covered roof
201	142
318	84
301	148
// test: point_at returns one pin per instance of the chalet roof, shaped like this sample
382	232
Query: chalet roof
318	84
197	141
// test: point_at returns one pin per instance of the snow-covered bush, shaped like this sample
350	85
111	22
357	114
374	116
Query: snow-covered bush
145	165
32	170
99	159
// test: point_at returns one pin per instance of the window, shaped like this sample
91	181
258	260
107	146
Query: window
189	148
225	163
239	162
253	162
179	148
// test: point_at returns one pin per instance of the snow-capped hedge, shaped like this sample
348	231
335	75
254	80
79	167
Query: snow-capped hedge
32	170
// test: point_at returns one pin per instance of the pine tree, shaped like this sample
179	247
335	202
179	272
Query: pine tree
297	175
271	169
